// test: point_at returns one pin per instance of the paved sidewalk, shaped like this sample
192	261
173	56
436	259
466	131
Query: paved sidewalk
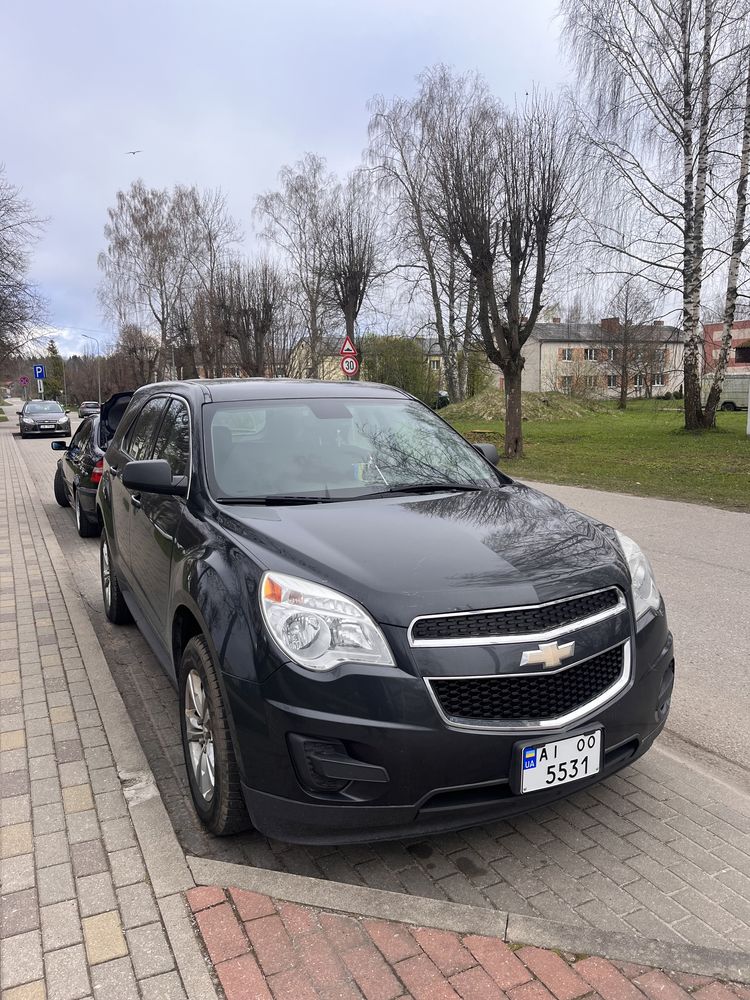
264	948
78	913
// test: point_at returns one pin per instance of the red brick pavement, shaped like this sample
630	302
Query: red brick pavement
265	949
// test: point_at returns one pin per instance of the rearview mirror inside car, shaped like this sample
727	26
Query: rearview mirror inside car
153	476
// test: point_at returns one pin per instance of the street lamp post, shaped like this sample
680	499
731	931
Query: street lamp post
98	365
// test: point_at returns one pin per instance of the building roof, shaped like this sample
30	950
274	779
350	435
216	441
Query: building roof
587	333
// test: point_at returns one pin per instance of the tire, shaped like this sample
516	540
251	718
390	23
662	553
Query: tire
59	485
115	607
86	527
729	406
210	762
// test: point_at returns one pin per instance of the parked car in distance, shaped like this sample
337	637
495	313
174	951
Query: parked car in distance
373	632
42	416
88	407
734	391
79	470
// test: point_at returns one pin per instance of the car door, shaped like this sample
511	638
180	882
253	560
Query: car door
136	445
155	518
75	456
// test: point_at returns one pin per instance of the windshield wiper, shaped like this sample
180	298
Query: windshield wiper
272	501
430	488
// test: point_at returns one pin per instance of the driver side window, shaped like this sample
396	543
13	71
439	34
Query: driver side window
173	440
140	437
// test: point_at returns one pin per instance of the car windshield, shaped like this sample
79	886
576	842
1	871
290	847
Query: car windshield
335	448
43	406
90	404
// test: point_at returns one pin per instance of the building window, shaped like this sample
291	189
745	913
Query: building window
567	354
566	383
742	355
434	364
658	378
610	354
638	381
591	381
589	354
611	381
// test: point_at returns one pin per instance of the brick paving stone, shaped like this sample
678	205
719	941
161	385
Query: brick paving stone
608	982
17	873
241	979
77	798
164	987
205	895
88	858
292	985
556	974
66	974
60	925
394	941
658	986
48	818
149	950
103	937
251	905
498	961
82	826
714	991
301	919
30	991
15	840
221	932
424	980
530	991
445	950
371	973
137	905
115	979
19	912
96	894
20	959
342	931
55	884
273	946
475	984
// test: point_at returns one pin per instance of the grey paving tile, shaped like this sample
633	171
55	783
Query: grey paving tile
96	894
56	884
66	974
164	987
115	979
137	905
149	950
48	818
127	866
88	858
20	959
60	925
17	873
51	849
19	912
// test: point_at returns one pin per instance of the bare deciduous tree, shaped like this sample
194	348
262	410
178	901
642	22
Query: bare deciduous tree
294	219
351	246
21	308
507	182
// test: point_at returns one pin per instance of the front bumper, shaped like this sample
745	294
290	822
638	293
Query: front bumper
436	778
63	429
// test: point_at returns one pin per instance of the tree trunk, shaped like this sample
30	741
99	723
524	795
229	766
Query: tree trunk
513	420
738	245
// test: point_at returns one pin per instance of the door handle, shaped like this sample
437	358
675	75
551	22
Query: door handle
135	499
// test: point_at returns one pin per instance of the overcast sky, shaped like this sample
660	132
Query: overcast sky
220	94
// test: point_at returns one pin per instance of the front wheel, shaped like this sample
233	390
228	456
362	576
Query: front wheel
207	744
115	607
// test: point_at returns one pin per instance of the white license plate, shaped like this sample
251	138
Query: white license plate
48	427
560	761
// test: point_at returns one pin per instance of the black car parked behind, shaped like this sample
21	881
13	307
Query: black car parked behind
79	470
373	632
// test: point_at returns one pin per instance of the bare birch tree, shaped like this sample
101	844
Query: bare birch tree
661	80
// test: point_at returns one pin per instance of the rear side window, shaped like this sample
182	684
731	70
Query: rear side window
141	435
173	441
79	439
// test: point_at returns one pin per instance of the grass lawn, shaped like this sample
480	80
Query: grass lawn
643	450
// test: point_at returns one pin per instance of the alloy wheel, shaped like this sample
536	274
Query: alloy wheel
106	571
199	735
78	511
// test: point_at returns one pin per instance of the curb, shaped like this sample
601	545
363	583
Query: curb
172	873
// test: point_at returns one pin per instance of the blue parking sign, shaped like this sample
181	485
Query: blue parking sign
39	371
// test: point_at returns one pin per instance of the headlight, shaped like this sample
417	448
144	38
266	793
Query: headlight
62	420
645	595
27	420
317	627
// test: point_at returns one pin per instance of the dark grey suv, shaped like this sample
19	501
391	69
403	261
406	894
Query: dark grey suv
373	631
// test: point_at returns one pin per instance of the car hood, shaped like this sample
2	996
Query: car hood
402	557
44	418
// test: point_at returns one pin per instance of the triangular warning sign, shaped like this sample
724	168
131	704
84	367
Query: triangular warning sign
348	347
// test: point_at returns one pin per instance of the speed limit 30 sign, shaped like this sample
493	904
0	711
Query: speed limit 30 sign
349	365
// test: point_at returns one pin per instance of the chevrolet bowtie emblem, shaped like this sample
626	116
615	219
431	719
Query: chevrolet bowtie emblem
549	654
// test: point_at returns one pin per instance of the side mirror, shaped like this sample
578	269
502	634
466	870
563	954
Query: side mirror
489	451
153	476
59	446
19	412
